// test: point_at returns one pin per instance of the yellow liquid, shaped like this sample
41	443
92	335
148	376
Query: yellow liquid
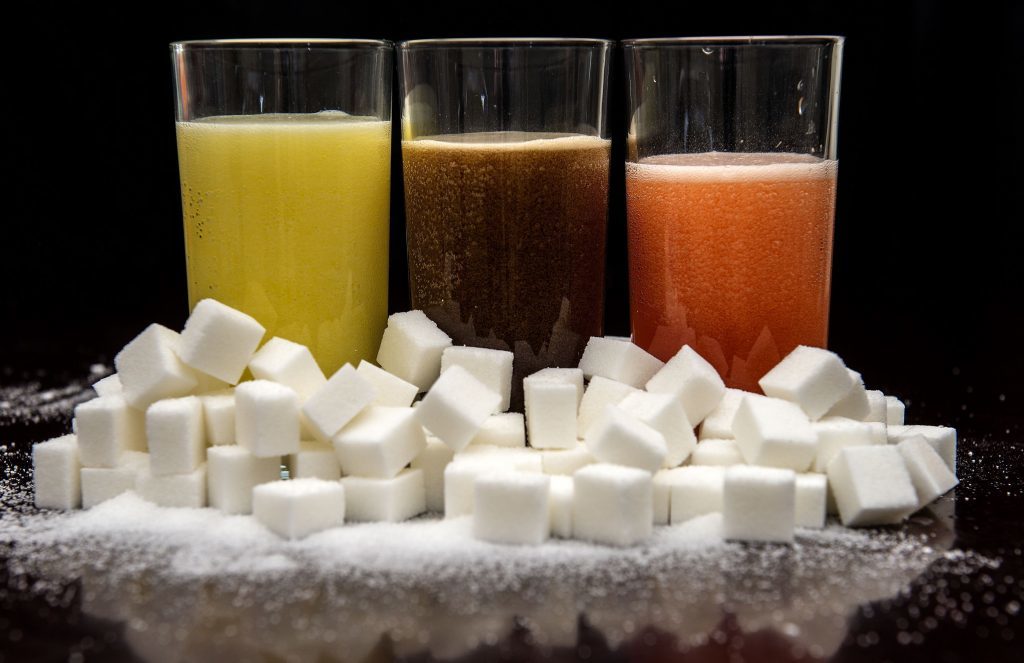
286	218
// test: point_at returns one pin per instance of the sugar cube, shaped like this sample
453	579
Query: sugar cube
573	376
392	391
106	428
560	503
718	424
462	472
612	504
618	360
566	461
895	411
928	472
432	461
662	485
231	474
774	433
551	413
108	386
267	418
506	429
150	370
343	396
693	380
219	340
877	408
100	484
600	393
854	405
290	364
871	486
811	492
56	473
493	368
942	439
456	407
219	417
512	507
664	413
622	439
314	460
696	491
411	348
174	428
295	509
385	500
717	452
186	490
759	504
813	378
834	433
380	442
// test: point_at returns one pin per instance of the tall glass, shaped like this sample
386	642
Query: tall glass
505	157
731	184
284	154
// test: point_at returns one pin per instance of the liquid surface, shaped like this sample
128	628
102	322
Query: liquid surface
506	241
286	218
731	254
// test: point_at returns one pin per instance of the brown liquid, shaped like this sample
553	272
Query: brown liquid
506	241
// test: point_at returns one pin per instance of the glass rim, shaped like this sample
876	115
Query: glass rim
270	43
737	40
505	42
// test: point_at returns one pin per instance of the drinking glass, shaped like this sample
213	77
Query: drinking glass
730	186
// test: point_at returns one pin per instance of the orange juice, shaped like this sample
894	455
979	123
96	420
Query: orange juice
732	255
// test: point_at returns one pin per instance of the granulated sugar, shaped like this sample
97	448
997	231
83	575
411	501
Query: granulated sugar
32	403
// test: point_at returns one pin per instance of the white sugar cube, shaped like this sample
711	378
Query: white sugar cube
662	485
314	460
150	370
811	493
345	394
385	500
107	427
298	508
231	474
411	348
432	461
511	507
696	491
100	484
877	408
759	504
871	486
219	340
600	393
392	391
813	378
290	364
928	472
219	417
461	473
456	407
267	418
717	452
834	433
664	413
774	433
854	405
895	411
56	473
718	424
186	490
622	439
493	368
573	376
108	386
551	413
506	429
174	429
612	504
693	380
618	360
942	439
567	461
560	504
380	442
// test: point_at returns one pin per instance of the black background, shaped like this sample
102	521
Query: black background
926	297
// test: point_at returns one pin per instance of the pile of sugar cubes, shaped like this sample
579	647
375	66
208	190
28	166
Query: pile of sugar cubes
605	451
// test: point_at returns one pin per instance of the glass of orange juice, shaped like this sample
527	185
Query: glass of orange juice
284	153
730	193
